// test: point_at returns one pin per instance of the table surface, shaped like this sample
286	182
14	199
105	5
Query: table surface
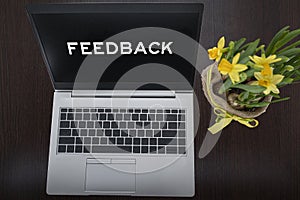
261	163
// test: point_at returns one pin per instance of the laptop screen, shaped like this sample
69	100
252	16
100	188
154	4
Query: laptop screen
68	34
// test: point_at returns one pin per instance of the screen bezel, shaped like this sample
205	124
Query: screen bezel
124	7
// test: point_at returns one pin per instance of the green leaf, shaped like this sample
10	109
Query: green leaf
244	58
243	96
250	88
277	37
238	44
257	105
226	85
290	46
275	95
288	37
279	100
250	72
290	52
285	81
283	60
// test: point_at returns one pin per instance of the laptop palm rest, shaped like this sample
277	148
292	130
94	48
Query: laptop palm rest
110	175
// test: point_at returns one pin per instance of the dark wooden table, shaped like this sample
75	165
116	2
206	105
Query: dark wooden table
263	163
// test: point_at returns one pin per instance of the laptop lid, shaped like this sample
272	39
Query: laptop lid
67	33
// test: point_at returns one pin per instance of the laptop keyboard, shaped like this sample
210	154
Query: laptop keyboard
122	130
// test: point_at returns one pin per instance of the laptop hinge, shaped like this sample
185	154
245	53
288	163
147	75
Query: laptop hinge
123	94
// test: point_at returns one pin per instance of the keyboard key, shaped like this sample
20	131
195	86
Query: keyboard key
65	132
161	150
128	141
93	110
70	149
124	133
108	132
86	149
169	133
153	149
86	116
92	132
66	140
136	141
87	140
139	124
70	116
63	116
136	149
102	116
110	116
135	117
159	117
171	117
132	133
141	133
144	110
181	141
106	125
163	141
63	110
75	132
130	125
171	150
122	125
83	132
78	116
155	125
95	140
61	148
149	133
181	150
157	133
74	124
110	149
86	110
115	110
103	140
98	124
94	117
151	117
81	124
78	110
181	125
144	141
137	110
174	111
119	117
181	117
90	124
78	149
172	125
143	117
64	124
153	141
127	116
107	110
114	125
116	133
120	140
144	149
100	132
100	110
112	140
79	140
181	133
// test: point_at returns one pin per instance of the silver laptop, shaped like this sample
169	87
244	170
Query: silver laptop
123	127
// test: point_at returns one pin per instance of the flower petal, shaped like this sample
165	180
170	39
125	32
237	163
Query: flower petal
277	78
234	76
221	43
236	58
267	91
274	89
239	67
258	75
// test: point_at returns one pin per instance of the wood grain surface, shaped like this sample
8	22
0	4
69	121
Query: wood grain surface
261	163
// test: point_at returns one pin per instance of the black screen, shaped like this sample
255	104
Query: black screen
56	29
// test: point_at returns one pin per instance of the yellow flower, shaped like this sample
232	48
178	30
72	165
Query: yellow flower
263	62
232	69
267	79
215	53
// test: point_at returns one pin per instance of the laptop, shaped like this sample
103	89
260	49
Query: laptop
123	116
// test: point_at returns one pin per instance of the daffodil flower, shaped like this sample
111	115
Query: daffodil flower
267	79
263	62
232	69
216	53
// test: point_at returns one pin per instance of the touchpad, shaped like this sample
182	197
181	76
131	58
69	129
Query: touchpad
110	175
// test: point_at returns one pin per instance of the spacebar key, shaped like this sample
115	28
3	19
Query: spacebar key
108	149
